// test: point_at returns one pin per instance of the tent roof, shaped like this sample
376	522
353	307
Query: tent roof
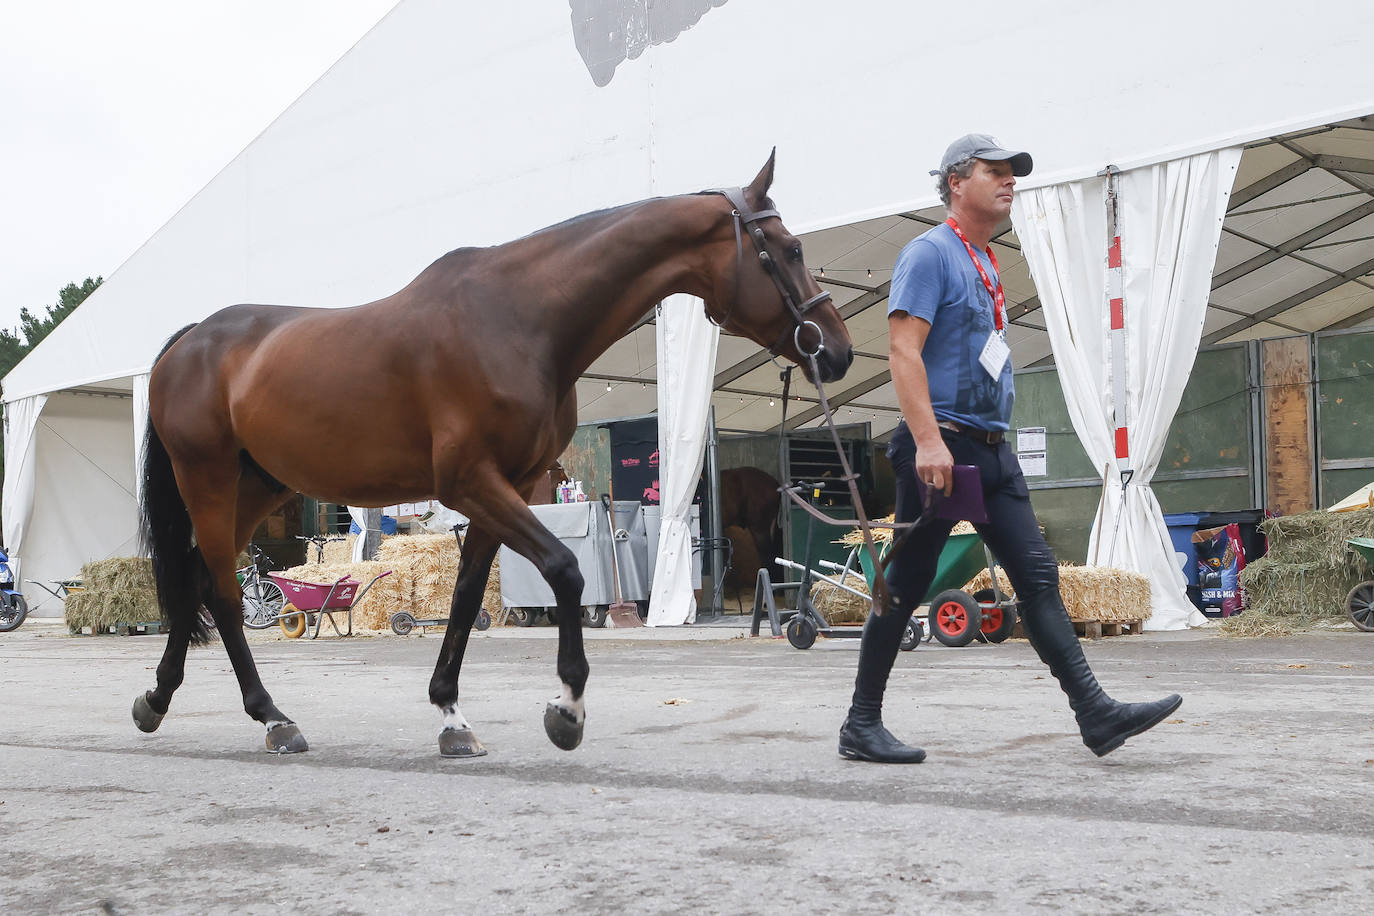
448	126
1296	256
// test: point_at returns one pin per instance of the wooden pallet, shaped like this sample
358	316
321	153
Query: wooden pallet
1096	629
147	628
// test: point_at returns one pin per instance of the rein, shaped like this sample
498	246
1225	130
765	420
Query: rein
881	598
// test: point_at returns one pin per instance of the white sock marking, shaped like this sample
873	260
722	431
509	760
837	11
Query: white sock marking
453	718
565	701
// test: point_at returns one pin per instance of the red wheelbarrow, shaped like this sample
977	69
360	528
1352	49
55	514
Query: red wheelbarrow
312	602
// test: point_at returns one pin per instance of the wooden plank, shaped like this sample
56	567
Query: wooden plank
1289	471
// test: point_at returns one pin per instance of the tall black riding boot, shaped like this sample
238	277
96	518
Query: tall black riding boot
862	736
1104	723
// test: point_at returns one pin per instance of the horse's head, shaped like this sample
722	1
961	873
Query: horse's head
762	289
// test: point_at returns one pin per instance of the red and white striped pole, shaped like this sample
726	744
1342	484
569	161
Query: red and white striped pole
1116	305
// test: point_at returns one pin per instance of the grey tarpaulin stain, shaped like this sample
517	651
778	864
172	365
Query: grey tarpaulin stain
607	32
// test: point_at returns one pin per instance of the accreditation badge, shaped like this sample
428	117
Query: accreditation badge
994	355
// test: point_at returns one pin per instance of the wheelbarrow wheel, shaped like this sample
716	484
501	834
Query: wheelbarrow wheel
483	620
1360	605
293	622
955	617
801	633
594	615
912	635
402	622
523	616
998	622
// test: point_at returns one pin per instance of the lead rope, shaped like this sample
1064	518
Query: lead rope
881	598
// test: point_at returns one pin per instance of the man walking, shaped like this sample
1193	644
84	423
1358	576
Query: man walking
952	371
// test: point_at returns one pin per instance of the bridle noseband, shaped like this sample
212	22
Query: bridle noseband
748	219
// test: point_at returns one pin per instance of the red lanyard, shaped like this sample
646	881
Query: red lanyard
999	298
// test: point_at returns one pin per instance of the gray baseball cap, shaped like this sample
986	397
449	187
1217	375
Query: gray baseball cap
982	146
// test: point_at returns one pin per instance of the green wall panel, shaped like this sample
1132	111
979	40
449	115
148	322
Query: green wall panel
1345	366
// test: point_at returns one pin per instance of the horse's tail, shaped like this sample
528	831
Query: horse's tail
178	568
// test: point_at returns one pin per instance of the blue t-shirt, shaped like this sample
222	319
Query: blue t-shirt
935	280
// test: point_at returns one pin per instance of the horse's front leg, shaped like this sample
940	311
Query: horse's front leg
500	511
456	738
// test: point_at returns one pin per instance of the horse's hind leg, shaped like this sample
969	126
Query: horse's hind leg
497	509
213	514
255	501
151	707
456	738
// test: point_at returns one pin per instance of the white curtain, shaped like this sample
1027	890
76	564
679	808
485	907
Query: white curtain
686	363
21	418
140	427
359	516
1169	222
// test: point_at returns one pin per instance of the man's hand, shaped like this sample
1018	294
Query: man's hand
934	464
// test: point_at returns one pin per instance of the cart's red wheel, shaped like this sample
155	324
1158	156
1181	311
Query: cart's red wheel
955	617
998	622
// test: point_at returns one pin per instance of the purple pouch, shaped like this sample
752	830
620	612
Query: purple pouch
964	503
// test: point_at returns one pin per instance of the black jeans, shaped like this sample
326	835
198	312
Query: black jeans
1011	532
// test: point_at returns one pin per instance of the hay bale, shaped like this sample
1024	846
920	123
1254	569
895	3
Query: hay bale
1318	538
1089	592
882	536
1302	590
336	553
119	590
433	561
384	598
1306	575
838	606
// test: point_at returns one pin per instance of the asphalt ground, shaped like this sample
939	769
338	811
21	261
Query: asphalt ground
708	781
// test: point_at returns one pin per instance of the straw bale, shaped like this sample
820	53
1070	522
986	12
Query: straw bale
1090	592
386	597
882	536
433	560
839	606
118	590
336	553
1318	538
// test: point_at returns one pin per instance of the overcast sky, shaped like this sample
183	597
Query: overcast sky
114	113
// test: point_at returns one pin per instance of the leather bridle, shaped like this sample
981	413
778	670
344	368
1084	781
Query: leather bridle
746	221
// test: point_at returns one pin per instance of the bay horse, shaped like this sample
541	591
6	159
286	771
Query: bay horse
464	381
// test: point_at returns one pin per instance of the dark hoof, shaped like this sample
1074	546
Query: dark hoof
460	742
286	739
560	727
145	717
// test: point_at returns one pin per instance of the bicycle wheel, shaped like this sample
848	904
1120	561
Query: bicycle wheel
262	610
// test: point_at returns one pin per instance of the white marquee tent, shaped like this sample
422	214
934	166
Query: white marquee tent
463	124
